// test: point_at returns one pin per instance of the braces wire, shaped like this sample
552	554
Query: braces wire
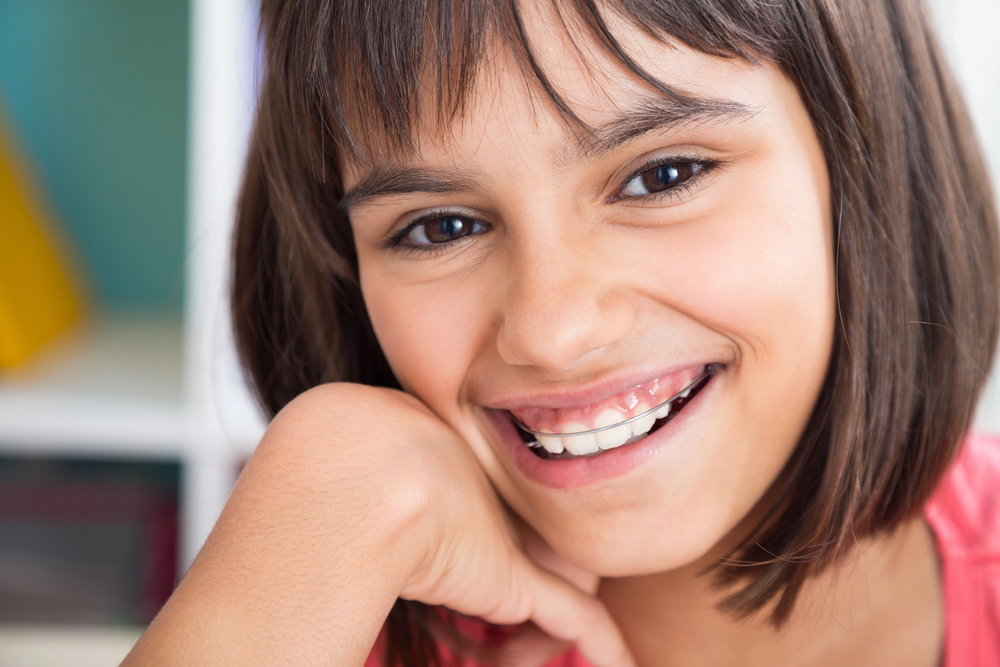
683	393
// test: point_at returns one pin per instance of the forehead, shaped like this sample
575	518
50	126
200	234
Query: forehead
381	72
392	69
607	104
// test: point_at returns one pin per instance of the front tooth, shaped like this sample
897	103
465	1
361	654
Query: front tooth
662	412
551	445
640	426
613	437
579	444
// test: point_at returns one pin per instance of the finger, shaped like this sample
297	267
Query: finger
530	647
563	612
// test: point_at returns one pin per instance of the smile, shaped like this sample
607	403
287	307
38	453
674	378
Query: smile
619	420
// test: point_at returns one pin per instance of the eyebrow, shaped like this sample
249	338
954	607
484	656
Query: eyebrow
658	114
405	179
654	114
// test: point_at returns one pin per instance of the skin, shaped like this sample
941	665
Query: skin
568	290
568	284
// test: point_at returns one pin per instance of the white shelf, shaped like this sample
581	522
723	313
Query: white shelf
112	388
32	646
124	356
155	388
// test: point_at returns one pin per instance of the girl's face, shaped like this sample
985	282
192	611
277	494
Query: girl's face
517	265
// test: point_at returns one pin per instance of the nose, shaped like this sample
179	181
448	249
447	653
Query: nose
562	302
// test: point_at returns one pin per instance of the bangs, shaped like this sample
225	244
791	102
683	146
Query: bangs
381	71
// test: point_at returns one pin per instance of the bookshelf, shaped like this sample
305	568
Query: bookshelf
80	647
99	391
162	383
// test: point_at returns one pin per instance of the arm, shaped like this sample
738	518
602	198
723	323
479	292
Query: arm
357	496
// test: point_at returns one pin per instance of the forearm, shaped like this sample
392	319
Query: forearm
357	496
302	567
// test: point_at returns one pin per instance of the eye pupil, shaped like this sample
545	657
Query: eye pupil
451	226
447	228
667	176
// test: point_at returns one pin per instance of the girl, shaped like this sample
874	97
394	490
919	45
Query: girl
609	333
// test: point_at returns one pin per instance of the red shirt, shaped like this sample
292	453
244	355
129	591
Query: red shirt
964	515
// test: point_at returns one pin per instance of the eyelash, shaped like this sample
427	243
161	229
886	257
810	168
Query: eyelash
398	243
707	166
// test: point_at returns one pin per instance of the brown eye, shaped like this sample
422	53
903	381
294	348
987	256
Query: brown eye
443	229
661	178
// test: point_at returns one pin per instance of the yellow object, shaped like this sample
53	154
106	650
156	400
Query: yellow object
37	298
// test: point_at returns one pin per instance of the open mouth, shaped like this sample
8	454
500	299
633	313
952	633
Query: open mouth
603	437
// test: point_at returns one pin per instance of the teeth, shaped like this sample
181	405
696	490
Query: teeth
642	426
551	445
579	444
613	437
635	438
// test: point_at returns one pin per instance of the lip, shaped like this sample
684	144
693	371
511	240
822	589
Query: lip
587	470
586	394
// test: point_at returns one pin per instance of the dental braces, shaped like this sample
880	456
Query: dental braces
683	393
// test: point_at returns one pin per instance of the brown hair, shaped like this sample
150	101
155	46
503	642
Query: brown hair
916	233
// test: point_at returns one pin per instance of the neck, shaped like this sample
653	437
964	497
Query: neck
881	606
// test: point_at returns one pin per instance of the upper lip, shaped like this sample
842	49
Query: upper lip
583	395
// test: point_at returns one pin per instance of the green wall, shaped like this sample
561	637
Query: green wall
96	94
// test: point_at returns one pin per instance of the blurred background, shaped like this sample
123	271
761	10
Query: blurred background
124	417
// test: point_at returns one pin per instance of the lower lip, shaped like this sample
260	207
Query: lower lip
586	470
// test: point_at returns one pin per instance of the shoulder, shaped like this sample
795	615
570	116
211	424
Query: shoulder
964	511
964	515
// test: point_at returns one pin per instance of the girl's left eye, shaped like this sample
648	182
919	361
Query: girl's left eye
662	178
441	229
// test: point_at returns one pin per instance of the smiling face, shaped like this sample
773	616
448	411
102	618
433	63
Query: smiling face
515	268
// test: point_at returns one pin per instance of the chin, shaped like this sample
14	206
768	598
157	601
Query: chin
642	544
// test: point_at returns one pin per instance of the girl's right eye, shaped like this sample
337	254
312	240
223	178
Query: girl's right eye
440	229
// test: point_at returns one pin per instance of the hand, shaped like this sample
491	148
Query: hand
356	496
530	647
484	561
481	560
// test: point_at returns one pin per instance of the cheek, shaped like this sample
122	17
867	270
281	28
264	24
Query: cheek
429	332
759	274
758	268
768	280
776	299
